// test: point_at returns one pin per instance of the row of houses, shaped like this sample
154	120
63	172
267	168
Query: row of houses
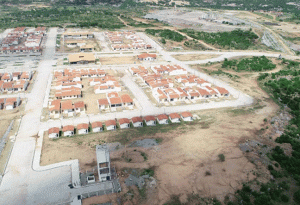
128	47
66	108
114	100
123	123
169	70
78	35
9	103
15	82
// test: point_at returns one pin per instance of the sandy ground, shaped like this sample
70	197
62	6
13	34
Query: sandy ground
118	60
187	159
192	57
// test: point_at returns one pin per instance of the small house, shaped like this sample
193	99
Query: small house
174	117
67	108
137	122
97	127
186	116
53	132
147	57
103	104
79	107
150	120
124	123
83	128
111	125
162	119
68	130
127	101
11	103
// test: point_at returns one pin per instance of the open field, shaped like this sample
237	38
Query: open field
192	57
186	160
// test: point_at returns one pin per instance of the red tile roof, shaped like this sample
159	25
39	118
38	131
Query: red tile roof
79	104
82	126
53	130
96	124
149	118
136	119
162	117
68	128
174	115
110	122
67	105
146	55
115	101
126	98
103	101
186	114
123	121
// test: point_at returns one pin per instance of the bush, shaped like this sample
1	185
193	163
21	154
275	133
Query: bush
221	157
166	34
285	198
270	167
296	196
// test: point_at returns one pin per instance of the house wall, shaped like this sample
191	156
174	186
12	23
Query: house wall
82	131
151	123
111	127
68	133
187	119
176	120
163	122
53	135
124	126
138	124
97	129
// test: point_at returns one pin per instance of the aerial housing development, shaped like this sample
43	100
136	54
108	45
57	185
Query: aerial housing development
149	102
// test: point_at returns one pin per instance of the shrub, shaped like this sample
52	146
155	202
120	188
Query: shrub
221	157
284	198
296	196
207	173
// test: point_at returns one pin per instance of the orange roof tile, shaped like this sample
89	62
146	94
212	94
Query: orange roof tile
53	130
82	126
96	124
174	115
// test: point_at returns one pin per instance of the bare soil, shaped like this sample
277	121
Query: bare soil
118	60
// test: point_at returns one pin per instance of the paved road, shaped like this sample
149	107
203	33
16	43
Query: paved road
21	184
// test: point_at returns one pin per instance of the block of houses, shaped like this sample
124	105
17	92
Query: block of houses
54	109
82	58
150	120
111	125
67	108
137	122
162	119
97	126
127	101
20	85
103	104
16	75
68	130
79	107
83	128
11	103
103	163
186	116
53	132
146	57
174	117
124	123
7	87
7	77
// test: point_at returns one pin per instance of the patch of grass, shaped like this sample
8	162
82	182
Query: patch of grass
159	140
149	172
144	155
142	192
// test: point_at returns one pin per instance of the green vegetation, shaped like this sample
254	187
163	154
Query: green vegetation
194	45
132	22
144	155
249	64
149	172
59	16
221	72
192	199
237	39
166	34
221	157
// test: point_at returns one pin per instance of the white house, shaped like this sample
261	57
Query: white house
137	122
97	127
111	125
124	123
11	103
162	119
83	128
68	130
103	163
67	108
53	132
103	104
186	116
147	57
150	120
174	117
